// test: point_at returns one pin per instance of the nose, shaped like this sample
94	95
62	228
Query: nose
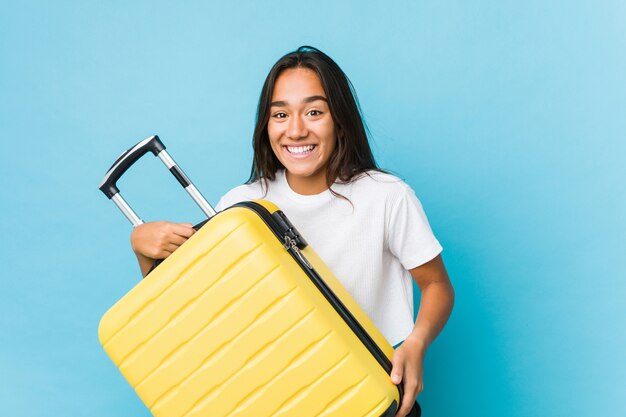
296	129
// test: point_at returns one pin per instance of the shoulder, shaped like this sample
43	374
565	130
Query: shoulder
244	192
380	185
384	194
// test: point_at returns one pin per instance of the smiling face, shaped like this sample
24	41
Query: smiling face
301	129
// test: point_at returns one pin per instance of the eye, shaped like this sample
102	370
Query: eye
279	115
315	113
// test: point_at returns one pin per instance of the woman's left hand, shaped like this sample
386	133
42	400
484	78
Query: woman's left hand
407	368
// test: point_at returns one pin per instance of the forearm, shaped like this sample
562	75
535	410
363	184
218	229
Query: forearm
145	263
437	299
435	308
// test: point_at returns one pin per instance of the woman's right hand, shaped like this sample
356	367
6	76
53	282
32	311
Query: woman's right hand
158	240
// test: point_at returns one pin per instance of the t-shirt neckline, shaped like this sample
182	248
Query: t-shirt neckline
286	188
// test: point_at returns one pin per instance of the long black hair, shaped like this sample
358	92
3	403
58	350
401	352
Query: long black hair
352	155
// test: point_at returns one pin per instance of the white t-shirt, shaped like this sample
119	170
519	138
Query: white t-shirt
369	243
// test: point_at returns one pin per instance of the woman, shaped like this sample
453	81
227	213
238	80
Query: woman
313	160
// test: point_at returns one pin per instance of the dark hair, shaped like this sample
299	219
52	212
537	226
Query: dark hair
352	155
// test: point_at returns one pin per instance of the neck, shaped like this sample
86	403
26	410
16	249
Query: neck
307	185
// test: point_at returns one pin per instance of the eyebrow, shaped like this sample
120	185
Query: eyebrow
283	103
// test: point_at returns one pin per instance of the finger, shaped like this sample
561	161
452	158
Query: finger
162	254
408	398
177	239
405	410
170	247
397	370
407	404
183	229
410	393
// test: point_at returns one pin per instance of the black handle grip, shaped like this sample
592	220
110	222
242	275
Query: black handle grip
126	160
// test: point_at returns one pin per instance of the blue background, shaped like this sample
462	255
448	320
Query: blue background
507	118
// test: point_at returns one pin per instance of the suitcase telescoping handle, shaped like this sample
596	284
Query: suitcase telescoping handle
152	144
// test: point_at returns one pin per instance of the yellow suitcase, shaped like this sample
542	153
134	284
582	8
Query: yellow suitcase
239	322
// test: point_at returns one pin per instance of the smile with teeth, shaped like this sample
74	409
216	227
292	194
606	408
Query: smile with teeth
300	150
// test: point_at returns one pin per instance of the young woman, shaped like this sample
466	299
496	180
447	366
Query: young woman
313	160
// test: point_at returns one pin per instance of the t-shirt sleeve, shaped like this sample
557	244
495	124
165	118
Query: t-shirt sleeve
236	195
228	199
409	235
221	205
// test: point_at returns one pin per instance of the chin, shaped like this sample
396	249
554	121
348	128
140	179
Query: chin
301	172
304	172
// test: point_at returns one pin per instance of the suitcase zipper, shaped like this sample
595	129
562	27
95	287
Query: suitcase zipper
293	242
338	305
291	245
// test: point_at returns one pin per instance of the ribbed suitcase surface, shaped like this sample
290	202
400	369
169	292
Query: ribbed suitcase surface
231	325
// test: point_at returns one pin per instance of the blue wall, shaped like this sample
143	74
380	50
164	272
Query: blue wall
507	118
